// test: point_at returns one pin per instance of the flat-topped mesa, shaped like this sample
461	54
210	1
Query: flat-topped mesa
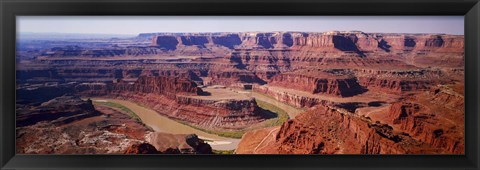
57	111
76	51
283	51
316	81
279	51
354	43
189	74
180	99
334	41
171	41
220	108
262	40
195	44
228	77
292	98
398	81
161	85
422	42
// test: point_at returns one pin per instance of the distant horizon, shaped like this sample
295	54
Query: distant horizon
130	25
136	34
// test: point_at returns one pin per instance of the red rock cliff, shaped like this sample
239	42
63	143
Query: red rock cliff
319	82
354	41
330	131
425	126
161	85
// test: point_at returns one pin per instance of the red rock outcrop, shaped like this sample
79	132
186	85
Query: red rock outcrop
195	44
293	99
143	148
331	131
175	97
263	54
160	85
168	86
185	144
434	123
93	130
398	81
394	85
319	82
417	78
215	115
436	43
228	77
58	111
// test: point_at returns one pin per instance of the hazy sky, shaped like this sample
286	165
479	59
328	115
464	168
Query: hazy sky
144	24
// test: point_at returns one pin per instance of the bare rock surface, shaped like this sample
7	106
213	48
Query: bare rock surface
351	91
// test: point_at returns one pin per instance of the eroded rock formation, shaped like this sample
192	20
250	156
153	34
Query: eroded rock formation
330	131
363	92
69	125
180	99
160	85
319	82
143	148
58	111
426	121
185	144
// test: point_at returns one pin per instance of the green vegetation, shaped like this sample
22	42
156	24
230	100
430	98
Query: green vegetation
223	152
281	115
123	109
270	97
228	134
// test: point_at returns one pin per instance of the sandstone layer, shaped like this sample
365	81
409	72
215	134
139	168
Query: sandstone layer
362	93
331	131
69	125
175	97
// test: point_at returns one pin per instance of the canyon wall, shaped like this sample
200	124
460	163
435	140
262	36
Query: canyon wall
432	121
353	41
69	125
58	111
364	93
249	57
160	85
283	47
175	97
294	99
327	130
319	82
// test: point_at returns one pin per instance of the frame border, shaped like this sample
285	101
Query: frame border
12	8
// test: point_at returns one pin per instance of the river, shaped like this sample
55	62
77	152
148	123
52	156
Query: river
291	111
160	123
164	124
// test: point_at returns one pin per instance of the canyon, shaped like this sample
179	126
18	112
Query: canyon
343	92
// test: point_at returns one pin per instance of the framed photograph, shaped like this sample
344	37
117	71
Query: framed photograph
239	85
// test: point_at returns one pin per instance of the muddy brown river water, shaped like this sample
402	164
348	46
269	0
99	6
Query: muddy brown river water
161	123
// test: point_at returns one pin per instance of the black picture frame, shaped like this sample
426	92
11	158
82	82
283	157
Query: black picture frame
11	8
